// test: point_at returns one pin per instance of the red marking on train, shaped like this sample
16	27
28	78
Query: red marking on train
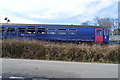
98	35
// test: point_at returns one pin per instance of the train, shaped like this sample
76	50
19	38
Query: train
55	32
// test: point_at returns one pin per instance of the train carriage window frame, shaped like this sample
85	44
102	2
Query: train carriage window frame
11	30
72	31
31	30
21	30
41	30
2	29
51	31
99	32
62	31
105	32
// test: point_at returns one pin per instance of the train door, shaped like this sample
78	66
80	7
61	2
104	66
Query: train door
106	36
98	35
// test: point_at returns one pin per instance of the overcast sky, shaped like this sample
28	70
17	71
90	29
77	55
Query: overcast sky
57	11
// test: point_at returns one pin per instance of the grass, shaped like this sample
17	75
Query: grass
45	50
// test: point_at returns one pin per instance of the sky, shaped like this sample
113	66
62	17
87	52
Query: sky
57	11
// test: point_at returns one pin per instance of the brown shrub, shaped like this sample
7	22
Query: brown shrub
46	50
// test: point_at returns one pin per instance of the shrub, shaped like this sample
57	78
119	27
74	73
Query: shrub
46	50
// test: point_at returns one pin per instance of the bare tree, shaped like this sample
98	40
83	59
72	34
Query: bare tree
104	22
109	23
117	31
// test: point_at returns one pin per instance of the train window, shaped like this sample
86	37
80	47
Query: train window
11	29
99	32
2	29
105	32
62	29
72	29
41	30
51	29
72	33
31	30
51	32
21	30
61	32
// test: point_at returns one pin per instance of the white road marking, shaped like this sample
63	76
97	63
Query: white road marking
12	77
39	79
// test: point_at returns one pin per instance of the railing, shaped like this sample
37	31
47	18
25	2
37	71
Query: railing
114	38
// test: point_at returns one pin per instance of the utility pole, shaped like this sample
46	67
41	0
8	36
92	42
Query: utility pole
119	14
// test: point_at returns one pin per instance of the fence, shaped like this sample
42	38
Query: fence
115	39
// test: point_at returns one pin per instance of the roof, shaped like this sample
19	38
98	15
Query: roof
19	24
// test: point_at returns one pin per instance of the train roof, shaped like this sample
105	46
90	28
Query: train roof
20	24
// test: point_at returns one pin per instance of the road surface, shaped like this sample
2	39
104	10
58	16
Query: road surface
56	69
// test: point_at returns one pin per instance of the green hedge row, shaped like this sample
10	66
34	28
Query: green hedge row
32	49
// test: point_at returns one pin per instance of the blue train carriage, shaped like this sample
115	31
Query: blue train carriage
55	32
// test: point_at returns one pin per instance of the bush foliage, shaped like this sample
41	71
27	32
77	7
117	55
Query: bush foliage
45	50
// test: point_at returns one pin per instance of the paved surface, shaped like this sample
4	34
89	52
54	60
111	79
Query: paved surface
56	69
0	68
